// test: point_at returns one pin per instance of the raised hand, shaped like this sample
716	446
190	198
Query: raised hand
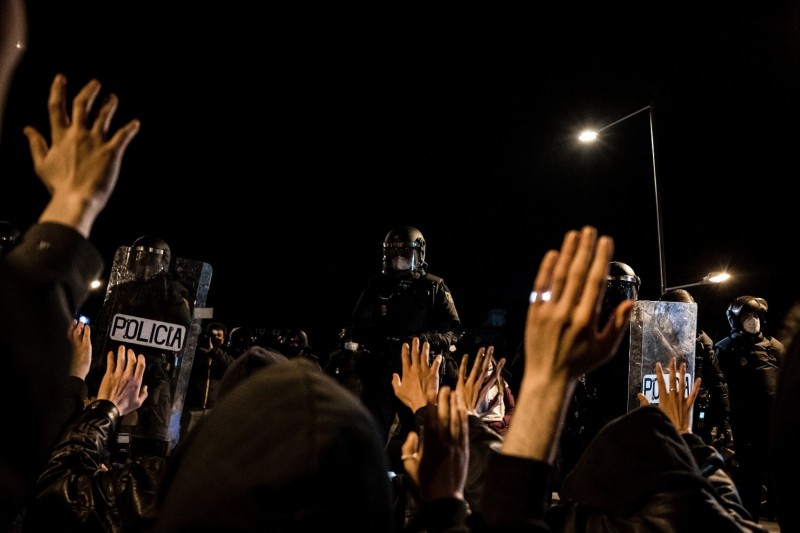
419	379
474	385
438	463
671	396
562	339
81	166
122	382
80	335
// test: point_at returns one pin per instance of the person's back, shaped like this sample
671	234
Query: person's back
288	449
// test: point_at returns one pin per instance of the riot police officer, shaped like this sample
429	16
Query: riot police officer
401	302
750	360
711	413
149	308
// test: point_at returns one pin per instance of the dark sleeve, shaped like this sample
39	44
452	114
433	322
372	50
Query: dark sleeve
70	491
714	379
445	324
483	442
77	393
221	356
362	328
44	280
712	465
516	493
74	492
445	515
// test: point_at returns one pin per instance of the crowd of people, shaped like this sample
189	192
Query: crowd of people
403	435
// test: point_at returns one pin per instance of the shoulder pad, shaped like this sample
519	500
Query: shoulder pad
433	279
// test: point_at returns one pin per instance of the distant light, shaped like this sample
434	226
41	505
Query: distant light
95	284
711	277
587	136
717	277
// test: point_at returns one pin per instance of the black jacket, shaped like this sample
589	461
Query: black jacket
75	494
638	474
392	310
44	280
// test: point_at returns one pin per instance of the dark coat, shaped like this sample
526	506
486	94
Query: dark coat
44	280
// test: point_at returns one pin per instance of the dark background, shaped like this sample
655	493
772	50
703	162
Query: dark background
279	144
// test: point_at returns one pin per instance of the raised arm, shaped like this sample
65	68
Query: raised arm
562	339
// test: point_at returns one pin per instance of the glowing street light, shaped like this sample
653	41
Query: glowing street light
592	135
711	277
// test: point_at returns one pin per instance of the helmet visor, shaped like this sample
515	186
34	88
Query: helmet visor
400	257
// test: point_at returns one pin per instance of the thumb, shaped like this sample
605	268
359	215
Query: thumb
642	399
37	144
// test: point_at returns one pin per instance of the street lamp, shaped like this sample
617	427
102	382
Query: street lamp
711	277
591	135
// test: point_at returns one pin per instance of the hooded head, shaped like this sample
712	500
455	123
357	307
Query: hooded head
288	449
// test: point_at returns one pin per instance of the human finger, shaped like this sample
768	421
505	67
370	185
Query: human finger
120	140
83	102
458	417
642	399
583	256
102	122
561	268
57	107
462	372
541	284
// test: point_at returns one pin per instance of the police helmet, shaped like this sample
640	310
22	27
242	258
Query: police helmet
677	295
148	256
622	284
239	340
746	304
404	252
294	342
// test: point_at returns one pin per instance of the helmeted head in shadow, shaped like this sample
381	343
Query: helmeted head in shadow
622	284
148	257
404	253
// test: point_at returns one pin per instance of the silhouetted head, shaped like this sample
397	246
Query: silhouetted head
622	284
677	295
294	342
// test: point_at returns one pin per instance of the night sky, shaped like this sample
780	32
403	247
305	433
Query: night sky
279	144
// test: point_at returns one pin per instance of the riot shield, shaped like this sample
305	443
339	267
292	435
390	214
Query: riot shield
659	331
158	317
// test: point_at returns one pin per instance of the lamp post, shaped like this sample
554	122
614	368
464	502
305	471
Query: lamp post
591	135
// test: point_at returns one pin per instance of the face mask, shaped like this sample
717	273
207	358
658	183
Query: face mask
751	324
401	263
